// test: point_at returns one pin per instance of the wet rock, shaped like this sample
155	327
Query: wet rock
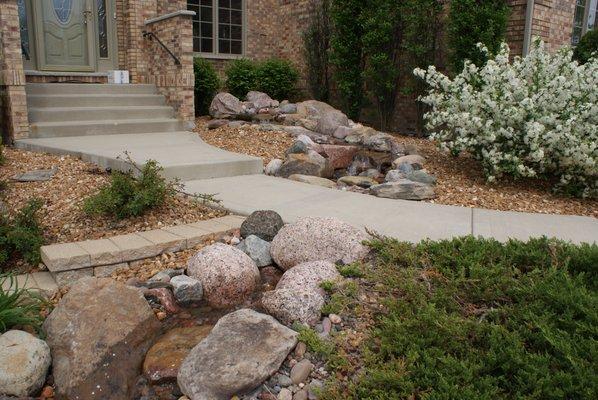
225	105
24	363
361	181
264	224
301	371
228	275
309	276
339	156
164	358
187	291
216	123
243	350
403	189
290	306
258	249
318	239
273	167
313	180
99	334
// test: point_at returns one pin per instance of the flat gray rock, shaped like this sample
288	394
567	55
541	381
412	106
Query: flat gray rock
403	189
36	176
244	349
257	249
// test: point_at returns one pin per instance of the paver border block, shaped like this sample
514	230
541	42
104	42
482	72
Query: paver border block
192	234
67	278
135	247
104	271
64	257
101	251
167	242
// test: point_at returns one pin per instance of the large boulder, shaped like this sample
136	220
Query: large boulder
404	189
225	105
99	334
24	363
244	349
379	141
228	275
311	163
330	121
318	239
264	224
165	357
415	160
322	117
309	276
290	306
261	100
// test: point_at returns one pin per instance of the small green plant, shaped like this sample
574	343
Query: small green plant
207	84
587	47
129	195
342	298
19	307
313	341
350	271
241	77
278	78
327	286
21	235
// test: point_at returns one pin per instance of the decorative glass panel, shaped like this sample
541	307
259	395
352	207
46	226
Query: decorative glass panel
24	29
63	9
102	28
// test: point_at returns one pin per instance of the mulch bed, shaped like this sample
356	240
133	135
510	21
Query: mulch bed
460	179
62	216
247	140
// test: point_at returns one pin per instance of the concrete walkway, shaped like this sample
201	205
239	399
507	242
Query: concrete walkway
405	220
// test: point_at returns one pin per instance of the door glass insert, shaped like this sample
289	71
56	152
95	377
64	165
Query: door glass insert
23	27
102	28
63	8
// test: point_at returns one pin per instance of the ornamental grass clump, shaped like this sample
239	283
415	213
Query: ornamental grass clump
536	116
19	307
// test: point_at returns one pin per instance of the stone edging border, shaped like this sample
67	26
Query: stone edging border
68	262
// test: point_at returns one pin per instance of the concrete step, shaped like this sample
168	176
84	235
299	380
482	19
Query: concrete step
183	155
57	114
88	88
94	100
105	127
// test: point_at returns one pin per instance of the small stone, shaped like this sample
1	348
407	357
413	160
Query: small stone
405	168
290	306
298	147
258	249
301	371
160	277
186	290
300	350
165	297
285	394
326	326
216	123
284	381
335	319
273	167
301	395
47	392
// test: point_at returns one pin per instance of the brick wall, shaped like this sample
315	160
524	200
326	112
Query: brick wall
13	104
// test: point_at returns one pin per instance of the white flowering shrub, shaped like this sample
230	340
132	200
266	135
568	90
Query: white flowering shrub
535	116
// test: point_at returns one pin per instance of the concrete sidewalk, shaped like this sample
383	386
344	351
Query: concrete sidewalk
405	220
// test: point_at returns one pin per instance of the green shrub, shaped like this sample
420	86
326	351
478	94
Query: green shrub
19	307
21	235
478	319
128	195
277	78
471	22
207	84
587	46
241	77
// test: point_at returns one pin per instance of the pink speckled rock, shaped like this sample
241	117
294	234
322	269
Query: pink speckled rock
290	306
308	276
228	275
318	239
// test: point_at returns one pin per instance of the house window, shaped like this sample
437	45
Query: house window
217	26
584	19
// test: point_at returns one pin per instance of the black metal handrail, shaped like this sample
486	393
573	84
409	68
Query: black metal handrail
150	35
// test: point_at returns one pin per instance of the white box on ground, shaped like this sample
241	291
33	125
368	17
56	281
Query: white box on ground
118	77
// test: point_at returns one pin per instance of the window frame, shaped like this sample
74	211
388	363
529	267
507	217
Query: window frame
585	19
215	33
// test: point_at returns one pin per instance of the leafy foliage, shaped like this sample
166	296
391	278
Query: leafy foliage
19	307
21	235
241	77
206	86
533	117
471	22
277	78
313	341
587	47
128	195
478	319
347	53
316	41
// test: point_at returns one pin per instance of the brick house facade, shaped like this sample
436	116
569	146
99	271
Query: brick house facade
219	30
